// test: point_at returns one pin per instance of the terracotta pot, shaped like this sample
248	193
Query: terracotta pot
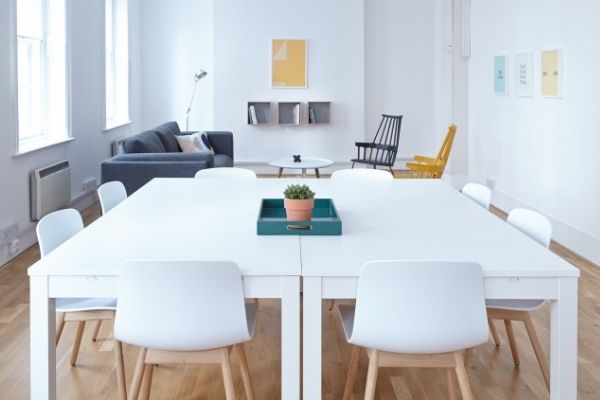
299	210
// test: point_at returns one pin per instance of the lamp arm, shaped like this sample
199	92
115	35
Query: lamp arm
187	117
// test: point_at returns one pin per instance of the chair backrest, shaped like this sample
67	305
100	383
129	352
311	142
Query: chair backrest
181	305
445	150
55	228
420	307
387	139
226	172
110	194
361	173
533	224
480	194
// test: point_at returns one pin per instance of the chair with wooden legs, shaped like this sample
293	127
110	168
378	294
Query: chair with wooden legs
538	228
480	194
110	194
400	323
433	168
184	312
52	231
225	173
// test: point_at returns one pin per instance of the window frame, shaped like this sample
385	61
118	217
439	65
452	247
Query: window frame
24	145
113	118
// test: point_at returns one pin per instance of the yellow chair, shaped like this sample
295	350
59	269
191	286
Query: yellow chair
433	168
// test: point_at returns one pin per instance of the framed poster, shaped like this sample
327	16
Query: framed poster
524	75
501	75
552	74
288	63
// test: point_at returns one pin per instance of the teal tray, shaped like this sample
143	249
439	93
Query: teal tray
272	219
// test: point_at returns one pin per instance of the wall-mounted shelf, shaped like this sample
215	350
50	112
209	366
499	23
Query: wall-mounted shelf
288	113
259	113
319	112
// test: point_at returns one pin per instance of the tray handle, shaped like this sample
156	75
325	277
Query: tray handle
299	228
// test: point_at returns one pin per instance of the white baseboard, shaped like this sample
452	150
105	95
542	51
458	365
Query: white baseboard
27	236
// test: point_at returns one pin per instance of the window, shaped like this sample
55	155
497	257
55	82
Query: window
41	72
117	63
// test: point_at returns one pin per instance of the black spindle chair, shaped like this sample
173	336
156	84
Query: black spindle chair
384	147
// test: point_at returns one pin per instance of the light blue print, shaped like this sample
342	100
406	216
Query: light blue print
500	74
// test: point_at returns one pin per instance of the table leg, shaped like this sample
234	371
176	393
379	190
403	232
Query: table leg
563	342
304	172
280	172
42	342
312	338
317	173
290	338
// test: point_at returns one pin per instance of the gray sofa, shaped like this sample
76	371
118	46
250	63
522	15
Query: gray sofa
156	154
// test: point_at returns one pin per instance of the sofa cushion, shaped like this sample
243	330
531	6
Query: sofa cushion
167	132
145	142
221	160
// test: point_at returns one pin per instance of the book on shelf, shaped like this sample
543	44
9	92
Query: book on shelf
296	114
311	116
253	119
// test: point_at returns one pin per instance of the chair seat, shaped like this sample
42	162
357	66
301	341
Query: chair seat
73	305
516	305
347	314
370	162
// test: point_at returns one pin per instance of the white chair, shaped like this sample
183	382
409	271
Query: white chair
184	312
52	231
480	194
110	194
401	324
538	228
361	173
226	172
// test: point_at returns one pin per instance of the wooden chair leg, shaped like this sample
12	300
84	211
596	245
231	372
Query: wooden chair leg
351	376
138	375
148	373
120	369
372	374
512	342
330	304
537	348
245	372
96	330
494	333
60	325
227	376
451	383
463	378
77	342
468	356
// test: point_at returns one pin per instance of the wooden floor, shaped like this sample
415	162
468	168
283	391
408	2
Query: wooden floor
492	373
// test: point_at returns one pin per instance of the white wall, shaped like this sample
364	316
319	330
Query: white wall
91	145
176	42
335	31
540	152
408	70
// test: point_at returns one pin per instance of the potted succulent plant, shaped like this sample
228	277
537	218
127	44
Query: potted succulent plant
299	202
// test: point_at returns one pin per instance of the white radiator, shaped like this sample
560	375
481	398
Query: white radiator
50	189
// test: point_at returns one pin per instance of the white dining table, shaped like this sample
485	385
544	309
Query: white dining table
216	220
430	220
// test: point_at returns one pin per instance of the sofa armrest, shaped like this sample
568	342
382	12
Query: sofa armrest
222	142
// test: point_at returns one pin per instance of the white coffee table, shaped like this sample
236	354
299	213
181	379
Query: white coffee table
306	163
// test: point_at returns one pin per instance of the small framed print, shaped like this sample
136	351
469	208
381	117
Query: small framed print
552	73
501	75
524	84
